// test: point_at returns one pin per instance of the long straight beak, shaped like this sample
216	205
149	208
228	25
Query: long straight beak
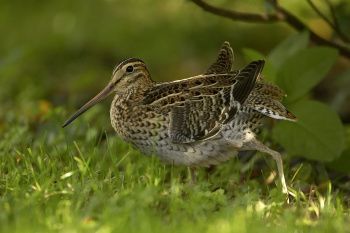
98	98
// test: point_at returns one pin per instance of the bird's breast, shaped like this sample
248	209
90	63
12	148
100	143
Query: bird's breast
136	123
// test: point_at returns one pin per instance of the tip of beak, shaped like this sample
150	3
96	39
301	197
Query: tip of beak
100	96
65	124
72	118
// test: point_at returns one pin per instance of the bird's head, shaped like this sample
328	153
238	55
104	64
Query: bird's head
130	75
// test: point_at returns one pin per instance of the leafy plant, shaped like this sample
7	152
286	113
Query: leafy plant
319	133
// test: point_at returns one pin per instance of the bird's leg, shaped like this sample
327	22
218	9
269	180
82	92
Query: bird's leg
192	175
254	144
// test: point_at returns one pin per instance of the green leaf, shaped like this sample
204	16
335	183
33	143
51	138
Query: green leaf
342	163
251	54
287	48
269	71
318	134
304	70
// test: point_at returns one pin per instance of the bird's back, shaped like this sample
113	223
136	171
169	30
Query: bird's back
199	106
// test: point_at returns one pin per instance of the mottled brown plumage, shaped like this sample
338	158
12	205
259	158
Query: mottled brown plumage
198	121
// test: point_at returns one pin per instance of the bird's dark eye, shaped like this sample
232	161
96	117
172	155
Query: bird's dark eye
129	69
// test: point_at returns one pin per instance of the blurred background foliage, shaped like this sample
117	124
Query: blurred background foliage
54	55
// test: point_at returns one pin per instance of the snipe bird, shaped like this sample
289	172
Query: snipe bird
199	121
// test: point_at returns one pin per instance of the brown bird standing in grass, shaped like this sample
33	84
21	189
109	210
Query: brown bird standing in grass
199	121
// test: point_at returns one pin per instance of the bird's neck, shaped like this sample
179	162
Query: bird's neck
126	107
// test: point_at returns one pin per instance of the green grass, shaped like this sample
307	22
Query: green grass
81	179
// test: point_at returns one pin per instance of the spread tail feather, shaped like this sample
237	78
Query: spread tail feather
266	99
